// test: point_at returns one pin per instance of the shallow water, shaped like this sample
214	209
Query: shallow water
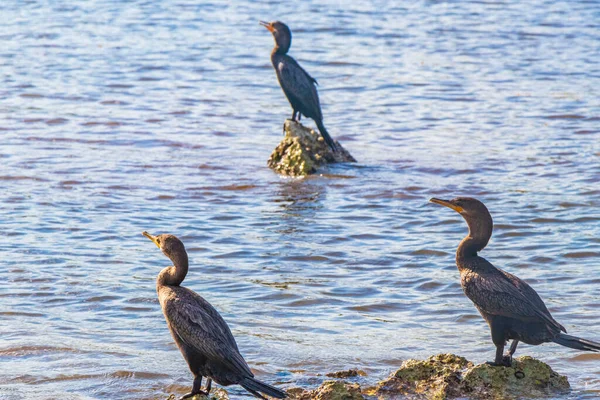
122	117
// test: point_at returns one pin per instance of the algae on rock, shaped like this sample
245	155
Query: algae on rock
215	394
447	376
440	377
329	390
349	373
436	378
303	150
526	377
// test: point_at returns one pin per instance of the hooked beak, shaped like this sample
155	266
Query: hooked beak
446	203
153	238
267	25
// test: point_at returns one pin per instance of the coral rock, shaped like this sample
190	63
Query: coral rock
215	394
329	390
346	374
526	377
303	150
438	377
447	376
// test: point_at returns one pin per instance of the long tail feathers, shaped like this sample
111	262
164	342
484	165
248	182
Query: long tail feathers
252	385
576	343
326	136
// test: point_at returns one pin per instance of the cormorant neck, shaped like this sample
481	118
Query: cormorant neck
174	275
280	50
479	235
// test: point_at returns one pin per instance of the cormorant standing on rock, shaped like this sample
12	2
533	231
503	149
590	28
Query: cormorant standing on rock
512	309
199	331
297	84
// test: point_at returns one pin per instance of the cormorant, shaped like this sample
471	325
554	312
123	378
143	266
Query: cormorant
297	84
512	309
199	331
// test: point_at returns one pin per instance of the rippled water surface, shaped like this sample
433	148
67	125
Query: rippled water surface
118	117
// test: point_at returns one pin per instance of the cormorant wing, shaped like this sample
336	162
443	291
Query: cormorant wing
202	328
497	294
299	85
531	295
296	65
526	290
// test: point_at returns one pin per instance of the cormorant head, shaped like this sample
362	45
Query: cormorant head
170	245
468	207
475	213
281	34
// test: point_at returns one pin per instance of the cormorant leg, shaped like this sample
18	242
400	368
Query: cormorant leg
498	328
299	116
195	388
499	355
208	383
508	357
513	347
294	113
499	360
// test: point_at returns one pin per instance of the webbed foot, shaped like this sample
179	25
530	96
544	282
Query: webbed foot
506	362
190	395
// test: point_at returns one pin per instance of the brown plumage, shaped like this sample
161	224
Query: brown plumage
299	87
512	309
199	331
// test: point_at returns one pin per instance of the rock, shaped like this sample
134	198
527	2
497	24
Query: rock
215	394
346	374
447	376
303	150
438	377
329	390
526	377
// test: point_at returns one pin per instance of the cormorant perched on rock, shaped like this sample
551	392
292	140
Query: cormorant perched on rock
297	84
199	331
512	309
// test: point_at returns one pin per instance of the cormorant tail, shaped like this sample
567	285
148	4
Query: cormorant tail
576	343
326	136
252	385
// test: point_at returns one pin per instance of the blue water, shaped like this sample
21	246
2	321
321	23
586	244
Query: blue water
118	117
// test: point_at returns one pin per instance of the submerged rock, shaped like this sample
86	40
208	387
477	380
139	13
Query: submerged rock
215	394
350	373
303	150
329	390
447	376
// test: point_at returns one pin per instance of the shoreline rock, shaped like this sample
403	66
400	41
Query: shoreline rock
448	376
329	390
440	377
215	394
302	151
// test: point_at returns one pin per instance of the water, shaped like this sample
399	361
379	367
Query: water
122	117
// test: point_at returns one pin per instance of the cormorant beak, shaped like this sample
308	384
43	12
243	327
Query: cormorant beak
447	203
153	238
267	25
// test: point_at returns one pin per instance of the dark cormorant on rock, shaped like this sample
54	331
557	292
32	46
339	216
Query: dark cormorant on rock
199	331
298	86
512	309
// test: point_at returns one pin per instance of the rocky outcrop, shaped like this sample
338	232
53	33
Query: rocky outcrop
215	394
440	377
329	390
302	151
447	376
